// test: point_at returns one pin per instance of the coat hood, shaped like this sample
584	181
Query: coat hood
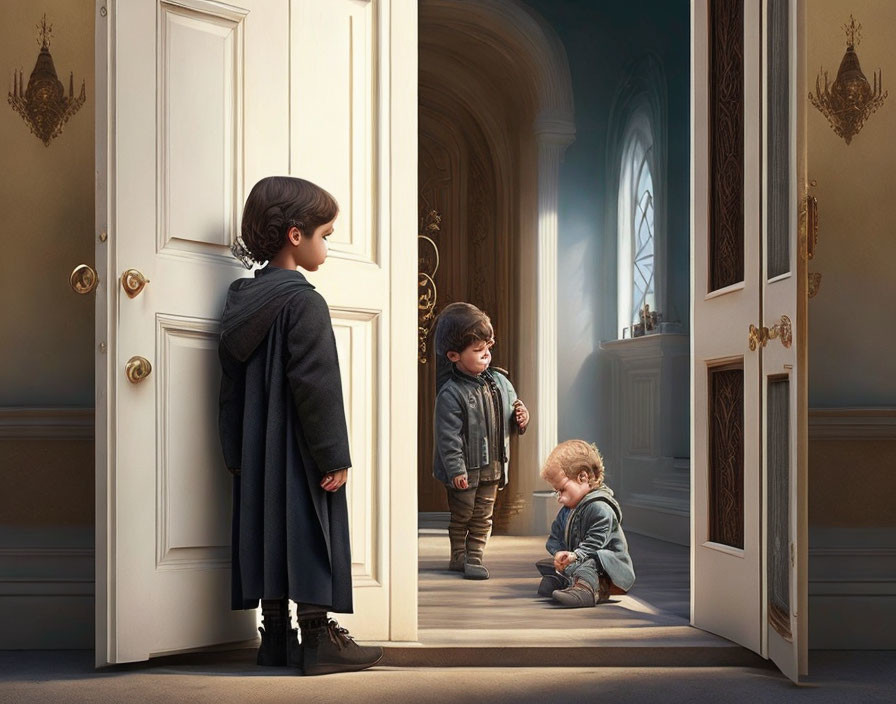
253	304
604	493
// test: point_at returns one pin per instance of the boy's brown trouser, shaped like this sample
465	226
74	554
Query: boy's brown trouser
471	520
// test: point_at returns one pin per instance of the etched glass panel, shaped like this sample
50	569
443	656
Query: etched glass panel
778	139
726	148
778	536
726	455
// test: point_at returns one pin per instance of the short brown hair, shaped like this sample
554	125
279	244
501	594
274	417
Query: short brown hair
275	204
572	457
459	325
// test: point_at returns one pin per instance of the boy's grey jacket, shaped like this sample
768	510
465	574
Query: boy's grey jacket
460	428
594	528
282	427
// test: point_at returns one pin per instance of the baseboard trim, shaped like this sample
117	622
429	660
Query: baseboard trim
852	588
47	587
433	520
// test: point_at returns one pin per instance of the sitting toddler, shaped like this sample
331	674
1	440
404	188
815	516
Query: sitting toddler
590	556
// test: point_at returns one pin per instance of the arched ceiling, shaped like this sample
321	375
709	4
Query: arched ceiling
501	47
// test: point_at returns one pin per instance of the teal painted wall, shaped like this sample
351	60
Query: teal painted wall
601	39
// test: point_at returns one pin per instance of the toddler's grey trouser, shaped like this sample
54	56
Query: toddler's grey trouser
471	519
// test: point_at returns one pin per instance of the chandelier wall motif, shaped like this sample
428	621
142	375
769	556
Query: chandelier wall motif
43	104
850	100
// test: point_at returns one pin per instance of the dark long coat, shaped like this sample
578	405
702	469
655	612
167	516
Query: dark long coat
282	427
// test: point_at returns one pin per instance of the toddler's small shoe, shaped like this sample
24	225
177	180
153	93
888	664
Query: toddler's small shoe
475	570
551	583
578	595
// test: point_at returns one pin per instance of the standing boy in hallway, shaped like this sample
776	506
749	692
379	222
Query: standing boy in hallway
476	410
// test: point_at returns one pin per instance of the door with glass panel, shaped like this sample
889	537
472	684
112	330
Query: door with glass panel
749	303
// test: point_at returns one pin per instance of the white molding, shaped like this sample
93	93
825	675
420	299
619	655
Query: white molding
852	422
46	422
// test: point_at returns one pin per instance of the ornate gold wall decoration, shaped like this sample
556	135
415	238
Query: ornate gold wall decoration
850	100
814	283
43	104
428	264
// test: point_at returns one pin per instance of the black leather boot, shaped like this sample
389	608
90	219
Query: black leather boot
328	648
279	641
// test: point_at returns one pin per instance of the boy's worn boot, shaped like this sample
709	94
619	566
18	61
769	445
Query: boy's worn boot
579	594
279	642
458	558
551	583
474	569
328	648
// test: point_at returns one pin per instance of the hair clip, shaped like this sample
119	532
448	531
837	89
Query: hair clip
238	250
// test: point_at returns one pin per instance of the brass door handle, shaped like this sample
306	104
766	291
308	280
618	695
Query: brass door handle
132	281
137	369
83	279
759	337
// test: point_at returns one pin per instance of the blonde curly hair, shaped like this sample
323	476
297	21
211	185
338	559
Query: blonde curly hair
572	457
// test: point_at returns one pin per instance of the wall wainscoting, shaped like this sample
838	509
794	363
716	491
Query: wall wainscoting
47	579
852	588
646	456
60	422
852	536
46	587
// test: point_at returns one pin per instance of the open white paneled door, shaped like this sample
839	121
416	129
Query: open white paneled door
749	414
197	100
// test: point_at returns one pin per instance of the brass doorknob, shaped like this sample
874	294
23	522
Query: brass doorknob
137	369
83	279
132	281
